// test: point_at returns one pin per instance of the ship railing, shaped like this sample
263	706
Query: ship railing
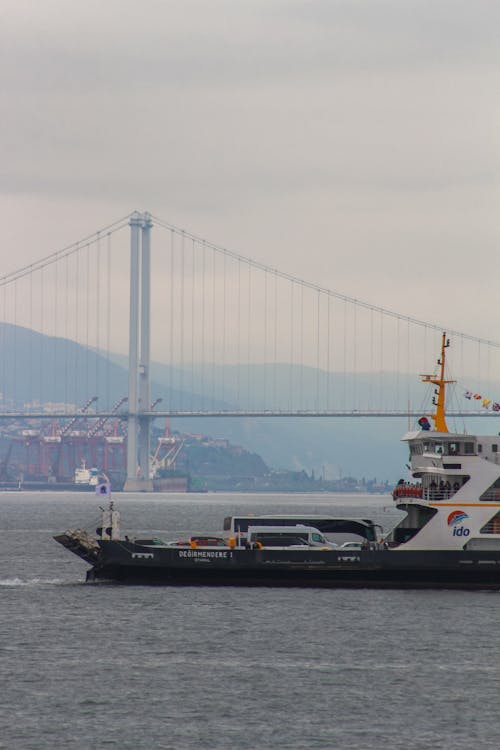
439	495
412	491
417	492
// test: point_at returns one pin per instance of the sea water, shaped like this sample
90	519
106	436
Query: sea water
132	667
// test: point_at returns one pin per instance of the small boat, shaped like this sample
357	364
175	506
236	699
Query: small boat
449	536
88	477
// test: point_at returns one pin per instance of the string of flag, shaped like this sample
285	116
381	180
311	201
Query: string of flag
486	402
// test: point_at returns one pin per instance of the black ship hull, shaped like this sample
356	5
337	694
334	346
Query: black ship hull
126	562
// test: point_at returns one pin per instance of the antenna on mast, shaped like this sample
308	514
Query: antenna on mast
439	417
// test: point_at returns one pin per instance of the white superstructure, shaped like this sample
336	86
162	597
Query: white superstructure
455	501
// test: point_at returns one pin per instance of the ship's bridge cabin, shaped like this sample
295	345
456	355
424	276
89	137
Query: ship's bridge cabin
442	464
440	461
429	445
446	445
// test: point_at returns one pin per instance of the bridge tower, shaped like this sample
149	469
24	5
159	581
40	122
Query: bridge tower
139	383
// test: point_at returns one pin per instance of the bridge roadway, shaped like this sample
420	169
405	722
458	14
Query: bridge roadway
258	413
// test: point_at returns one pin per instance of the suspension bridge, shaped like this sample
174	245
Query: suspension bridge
223	334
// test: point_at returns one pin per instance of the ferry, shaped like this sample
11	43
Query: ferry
449	536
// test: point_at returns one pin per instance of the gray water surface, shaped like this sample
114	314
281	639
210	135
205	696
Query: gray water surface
109	666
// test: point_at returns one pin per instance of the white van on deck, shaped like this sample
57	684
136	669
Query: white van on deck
286	536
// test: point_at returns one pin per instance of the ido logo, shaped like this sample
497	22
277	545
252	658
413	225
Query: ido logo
455	521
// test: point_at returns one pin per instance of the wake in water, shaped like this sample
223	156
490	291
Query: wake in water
31	581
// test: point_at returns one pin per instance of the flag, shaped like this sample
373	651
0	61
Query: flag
486	402
468	395
496	406
103	489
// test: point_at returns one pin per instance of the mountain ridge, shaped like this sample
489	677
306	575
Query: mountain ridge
38	368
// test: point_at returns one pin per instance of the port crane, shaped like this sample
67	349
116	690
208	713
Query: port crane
167	449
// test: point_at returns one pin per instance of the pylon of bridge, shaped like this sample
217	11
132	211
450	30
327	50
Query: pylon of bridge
139	383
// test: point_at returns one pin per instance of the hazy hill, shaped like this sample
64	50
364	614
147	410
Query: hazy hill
37	368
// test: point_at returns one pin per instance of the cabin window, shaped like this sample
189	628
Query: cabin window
494	448
318	538
416	449
492	494
492	526
479	448
438	448
469	448
453	449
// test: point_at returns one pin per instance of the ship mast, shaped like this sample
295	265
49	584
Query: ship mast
439	417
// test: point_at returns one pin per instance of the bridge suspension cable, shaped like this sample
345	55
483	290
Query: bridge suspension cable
64	252
233	334
323	290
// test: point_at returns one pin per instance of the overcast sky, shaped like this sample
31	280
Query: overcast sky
354	143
